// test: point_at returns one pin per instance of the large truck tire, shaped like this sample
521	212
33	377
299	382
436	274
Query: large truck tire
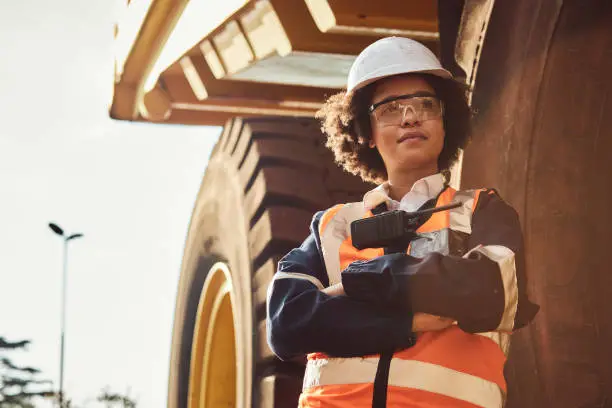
265	179
543	97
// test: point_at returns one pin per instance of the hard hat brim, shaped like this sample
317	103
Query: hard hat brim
387	72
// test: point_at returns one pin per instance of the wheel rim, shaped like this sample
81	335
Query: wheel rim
213	378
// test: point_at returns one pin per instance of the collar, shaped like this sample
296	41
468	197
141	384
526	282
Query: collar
423	190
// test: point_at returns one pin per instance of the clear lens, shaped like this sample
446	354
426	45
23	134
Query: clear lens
418	109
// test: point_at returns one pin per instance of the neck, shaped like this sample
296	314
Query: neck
401	182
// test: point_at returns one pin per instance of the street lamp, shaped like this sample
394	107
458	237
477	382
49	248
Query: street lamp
55	228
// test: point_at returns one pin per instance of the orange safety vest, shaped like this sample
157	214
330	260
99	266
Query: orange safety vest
447	368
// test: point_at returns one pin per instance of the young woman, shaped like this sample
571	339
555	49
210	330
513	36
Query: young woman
424	327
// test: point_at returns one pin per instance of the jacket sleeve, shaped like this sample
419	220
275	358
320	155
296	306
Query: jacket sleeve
302	319
496	236
485	290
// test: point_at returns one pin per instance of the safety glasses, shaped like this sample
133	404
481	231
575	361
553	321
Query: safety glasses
416	108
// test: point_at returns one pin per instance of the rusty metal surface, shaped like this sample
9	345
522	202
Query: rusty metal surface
472	31
410	18
267	58
542	136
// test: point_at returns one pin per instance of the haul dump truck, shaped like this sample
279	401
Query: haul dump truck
539	74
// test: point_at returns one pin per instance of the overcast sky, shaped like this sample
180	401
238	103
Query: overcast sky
129	188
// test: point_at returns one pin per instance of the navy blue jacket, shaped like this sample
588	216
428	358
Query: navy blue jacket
302	319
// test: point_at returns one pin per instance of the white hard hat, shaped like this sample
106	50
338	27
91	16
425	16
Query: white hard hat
392	56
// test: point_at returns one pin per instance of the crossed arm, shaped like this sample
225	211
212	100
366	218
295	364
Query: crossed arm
421	322
391	297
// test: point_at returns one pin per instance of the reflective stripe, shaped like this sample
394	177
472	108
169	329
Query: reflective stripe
436	241
327	216
500	338
461	217
339	371
408	374
337	230
505	259
436	230
303	276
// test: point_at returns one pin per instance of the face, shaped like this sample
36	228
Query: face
414	138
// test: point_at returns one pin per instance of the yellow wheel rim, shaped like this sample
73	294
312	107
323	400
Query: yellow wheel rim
212	380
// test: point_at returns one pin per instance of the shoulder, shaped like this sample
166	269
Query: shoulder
490	207
496	222
490	197
344	212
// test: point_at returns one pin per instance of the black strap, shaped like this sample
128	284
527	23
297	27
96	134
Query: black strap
381	380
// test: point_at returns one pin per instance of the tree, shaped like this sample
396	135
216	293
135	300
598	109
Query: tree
19	386
113	400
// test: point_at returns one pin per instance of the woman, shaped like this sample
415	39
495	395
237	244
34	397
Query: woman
425	327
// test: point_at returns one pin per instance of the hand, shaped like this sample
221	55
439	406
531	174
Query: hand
422	322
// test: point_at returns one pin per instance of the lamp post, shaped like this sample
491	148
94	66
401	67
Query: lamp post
55	228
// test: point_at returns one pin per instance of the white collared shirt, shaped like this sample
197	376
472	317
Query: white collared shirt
423	190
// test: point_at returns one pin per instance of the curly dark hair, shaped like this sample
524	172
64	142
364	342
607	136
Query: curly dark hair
346	122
